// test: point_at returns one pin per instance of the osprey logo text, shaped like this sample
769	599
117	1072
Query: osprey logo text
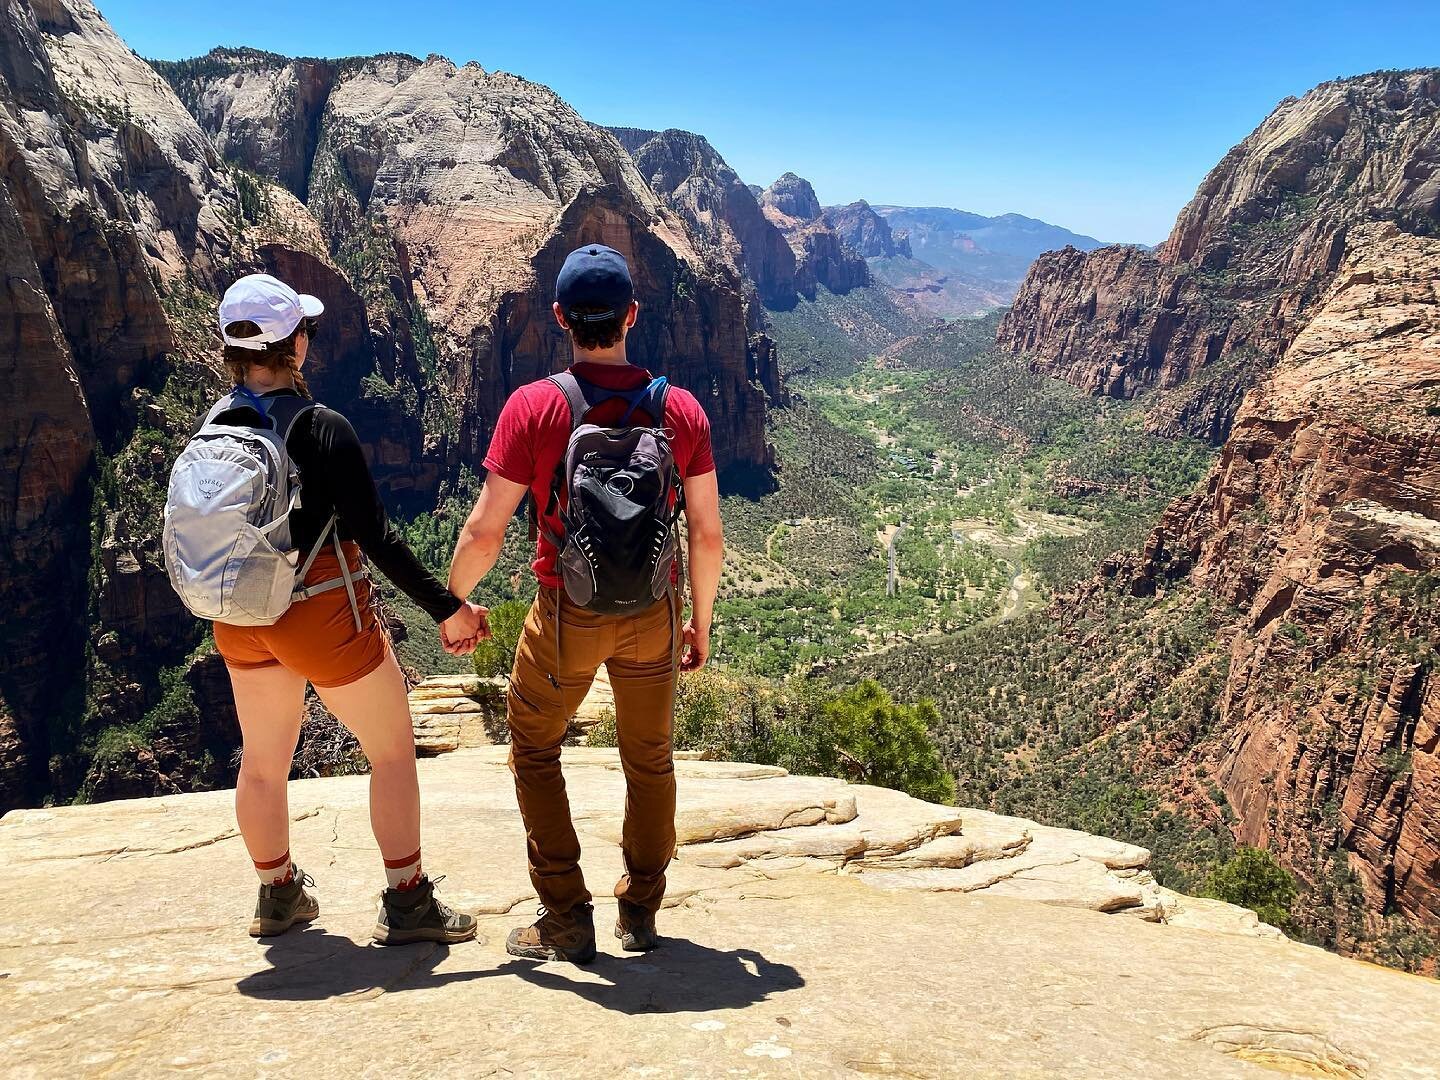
209	487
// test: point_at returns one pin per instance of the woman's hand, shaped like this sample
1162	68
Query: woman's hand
469	625
695	649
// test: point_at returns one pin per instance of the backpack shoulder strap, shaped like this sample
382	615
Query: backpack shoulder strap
574	396
284	411
225	404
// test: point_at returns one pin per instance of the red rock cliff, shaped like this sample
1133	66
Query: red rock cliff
1214	307
1320	525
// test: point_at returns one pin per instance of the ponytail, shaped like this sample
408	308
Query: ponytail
276	356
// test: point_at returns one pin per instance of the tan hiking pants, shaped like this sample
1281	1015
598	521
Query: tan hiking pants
640	652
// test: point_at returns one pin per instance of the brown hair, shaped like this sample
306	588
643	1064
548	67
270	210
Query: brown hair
276	356
596	335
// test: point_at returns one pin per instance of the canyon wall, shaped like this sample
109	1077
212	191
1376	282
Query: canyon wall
1320	528
1292	317
119	224
450	195
1204	316
822	258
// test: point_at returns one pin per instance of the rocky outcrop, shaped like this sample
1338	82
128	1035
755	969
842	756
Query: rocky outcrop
1213	308
723	214
822	258
267	113
867	232
453	712
451	195
456	712
788	945
1320	526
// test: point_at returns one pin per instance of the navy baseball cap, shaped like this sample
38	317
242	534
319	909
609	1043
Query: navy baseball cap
594	276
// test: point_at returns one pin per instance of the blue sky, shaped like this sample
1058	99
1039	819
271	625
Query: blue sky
1102	117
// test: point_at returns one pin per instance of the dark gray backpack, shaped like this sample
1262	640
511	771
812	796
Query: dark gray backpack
619	496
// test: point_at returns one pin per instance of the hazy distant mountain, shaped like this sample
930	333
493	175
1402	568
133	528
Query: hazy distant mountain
996	249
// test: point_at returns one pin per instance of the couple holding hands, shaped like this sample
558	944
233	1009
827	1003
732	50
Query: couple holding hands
611	458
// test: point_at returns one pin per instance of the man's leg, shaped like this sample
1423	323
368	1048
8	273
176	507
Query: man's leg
545	691
642	674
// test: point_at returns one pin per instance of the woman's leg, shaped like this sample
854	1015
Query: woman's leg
377	710
269	702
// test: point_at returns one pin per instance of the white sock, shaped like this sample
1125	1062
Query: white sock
276	872
404	873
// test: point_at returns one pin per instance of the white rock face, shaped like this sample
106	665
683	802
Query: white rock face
451	712
135	960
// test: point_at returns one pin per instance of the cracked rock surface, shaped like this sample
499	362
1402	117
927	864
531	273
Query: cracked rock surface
813	927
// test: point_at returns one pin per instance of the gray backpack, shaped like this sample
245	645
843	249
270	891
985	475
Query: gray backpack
227	517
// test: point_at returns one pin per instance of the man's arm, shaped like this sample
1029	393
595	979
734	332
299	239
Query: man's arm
484	533
707	555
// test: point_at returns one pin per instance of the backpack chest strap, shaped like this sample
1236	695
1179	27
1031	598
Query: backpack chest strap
581	398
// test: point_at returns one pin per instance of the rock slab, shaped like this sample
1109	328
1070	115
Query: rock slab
775	965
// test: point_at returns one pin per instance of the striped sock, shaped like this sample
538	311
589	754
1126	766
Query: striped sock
404	873
279	871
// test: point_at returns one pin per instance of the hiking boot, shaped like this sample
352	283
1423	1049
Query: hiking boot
554	936
282	906
635	928
409	915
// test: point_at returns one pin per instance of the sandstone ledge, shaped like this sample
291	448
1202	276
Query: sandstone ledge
814	927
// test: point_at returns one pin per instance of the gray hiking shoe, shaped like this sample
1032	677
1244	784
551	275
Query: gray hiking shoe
411	915
635	928
553	936
282	906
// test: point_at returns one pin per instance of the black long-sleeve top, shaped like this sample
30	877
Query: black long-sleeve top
334	478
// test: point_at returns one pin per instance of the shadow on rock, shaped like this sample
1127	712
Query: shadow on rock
680	976
314	965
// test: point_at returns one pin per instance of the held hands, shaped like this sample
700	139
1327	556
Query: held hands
469	625
695	649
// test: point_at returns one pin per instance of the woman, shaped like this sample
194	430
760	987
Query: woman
267	328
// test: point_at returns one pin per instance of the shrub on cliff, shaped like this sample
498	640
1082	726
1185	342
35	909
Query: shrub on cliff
869	737
860	734
1254	878
495	656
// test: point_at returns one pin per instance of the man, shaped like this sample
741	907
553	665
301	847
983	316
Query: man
564	643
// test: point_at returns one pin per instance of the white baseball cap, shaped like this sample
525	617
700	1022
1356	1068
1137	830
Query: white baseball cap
268	303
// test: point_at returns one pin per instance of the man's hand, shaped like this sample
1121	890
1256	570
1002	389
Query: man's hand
696	647
469	625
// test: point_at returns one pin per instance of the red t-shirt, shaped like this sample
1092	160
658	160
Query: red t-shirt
534	426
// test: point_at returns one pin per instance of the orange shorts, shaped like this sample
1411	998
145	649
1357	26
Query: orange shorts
316	638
